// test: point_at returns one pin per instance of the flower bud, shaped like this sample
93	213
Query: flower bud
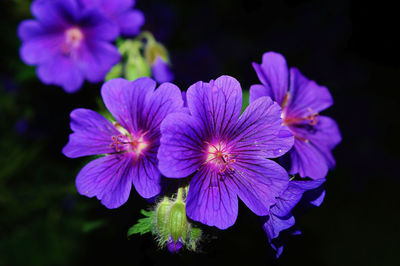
177	221
162	212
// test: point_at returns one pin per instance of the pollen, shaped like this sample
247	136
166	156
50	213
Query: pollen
133	144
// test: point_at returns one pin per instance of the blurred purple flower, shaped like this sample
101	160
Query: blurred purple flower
301	101
130	144
161	71
68	43
226	153
281	217
121	12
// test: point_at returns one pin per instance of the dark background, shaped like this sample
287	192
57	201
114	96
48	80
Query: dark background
348	46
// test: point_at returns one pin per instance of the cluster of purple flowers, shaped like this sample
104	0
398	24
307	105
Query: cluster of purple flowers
202	136
71	40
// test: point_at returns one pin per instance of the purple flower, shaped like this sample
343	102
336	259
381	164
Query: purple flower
301	101
160	71
130	145
67	43
225	153
121	12
281	217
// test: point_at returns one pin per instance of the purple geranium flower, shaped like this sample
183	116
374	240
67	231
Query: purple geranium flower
301	101
130	144
121	12
281	217
225	153
67	43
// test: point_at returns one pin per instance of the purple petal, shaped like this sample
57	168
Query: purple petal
92	134
165	100
260	127
306	96
131	22
258	182
125	100
257	91
55	14
217	104
38	45
318	201
160	71
97	58
292	195
146	177
313	158
274	225
310	161
180	153
211	201
108	178
273	73
61	71
97	27
110	8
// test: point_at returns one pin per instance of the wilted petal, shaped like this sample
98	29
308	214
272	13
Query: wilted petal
273	73
274	225
108	178
211	201
292	195
92	134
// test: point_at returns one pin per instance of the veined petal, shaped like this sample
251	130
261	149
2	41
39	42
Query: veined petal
260	128
309	160
273	73
125	100
258	182
181	146
92	134
146	177
108	178
306	96
217	104
165	100
211	201
313	157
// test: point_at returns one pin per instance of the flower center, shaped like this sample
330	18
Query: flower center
133	144
311	119
219	156
72	40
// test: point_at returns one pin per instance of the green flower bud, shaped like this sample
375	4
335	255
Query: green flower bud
177	221
154	50
162	212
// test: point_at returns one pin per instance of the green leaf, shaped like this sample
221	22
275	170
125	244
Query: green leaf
143	225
